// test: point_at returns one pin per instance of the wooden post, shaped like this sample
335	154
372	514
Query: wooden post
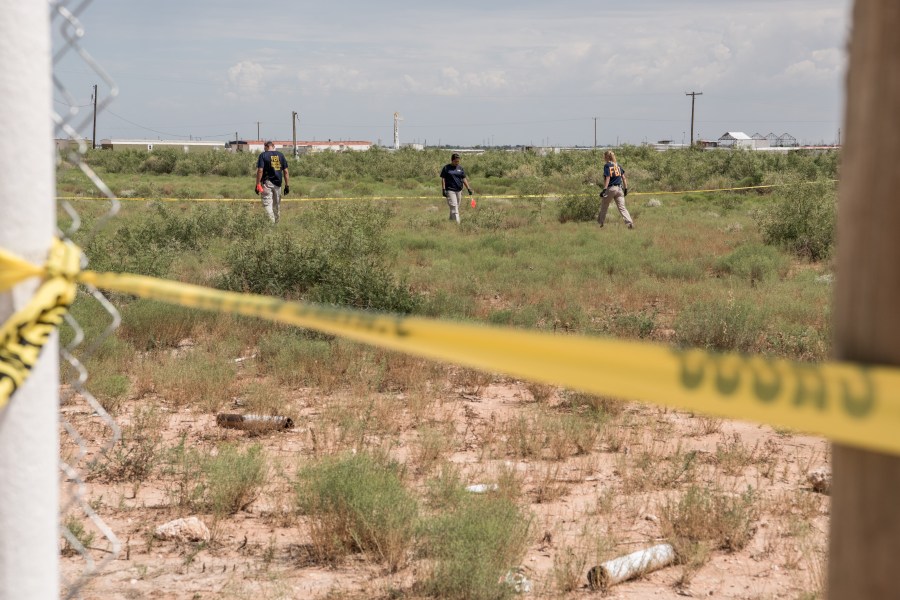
865	515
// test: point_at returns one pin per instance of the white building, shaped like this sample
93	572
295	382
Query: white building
256	146
735	139
150	145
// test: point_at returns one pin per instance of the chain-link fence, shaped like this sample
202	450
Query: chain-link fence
77	513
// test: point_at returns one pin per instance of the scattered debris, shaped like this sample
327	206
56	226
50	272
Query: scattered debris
654	202
481	488
190	529
516	579
633	565
827	278
820	479
243	358
253	422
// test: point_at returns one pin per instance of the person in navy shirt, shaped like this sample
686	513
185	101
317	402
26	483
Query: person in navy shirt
453	179
271	170
615	187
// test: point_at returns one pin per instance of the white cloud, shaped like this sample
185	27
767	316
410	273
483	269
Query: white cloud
248	78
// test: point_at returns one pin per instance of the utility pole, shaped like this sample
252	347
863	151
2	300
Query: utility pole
94	140
257	131
595	132
294	118
693	96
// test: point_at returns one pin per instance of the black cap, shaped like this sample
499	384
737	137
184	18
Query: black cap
454	155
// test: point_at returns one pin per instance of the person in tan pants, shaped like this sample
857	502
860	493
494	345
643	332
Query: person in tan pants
615	187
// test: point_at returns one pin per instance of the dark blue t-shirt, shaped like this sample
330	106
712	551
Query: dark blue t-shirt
453	176
614	171
273	163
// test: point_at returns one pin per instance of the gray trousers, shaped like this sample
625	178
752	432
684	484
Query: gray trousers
271	200
453	201
614	193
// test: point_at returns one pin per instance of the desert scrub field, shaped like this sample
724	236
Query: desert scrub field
365	496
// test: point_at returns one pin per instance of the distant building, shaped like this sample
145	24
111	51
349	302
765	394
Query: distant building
760	141
786	140
303	147
150	145
663	145
735	139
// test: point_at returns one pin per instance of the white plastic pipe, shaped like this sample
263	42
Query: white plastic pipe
29	440
627	567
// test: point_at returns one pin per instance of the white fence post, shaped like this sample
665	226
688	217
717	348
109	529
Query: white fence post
29	437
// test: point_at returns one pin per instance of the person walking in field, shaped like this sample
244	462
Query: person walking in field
615	187
453	179
271	170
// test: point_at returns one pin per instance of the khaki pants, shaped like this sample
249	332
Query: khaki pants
271	200
453	201
614	193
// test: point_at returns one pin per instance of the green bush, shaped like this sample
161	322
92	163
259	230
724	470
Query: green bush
343	261
358	503
724	325
222	483
233	478
754	262
473	547
802	220
578	208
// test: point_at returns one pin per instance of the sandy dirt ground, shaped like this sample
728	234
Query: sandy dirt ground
264	551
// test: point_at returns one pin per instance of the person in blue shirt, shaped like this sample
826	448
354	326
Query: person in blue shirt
271	170
615	187
453	179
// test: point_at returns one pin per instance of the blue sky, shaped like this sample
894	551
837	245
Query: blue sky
464	73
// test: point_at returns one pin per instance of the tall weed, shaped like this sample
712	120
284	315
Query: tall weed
473	546
358	503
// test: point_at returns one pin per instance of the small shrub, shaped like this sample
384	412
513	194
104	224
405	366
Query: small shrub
233	478
754	262
578	208
358	504
446	489
721	325
222	483
150	324
140	451
79	533
710	515
198	379
654	467
473	547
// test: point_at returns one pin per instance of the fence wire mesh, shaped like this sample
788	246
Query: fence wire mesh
81	448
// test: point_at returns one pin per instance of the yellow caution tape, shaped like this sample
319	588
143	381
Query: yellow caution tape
25	333
853	404
849	403
480	197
